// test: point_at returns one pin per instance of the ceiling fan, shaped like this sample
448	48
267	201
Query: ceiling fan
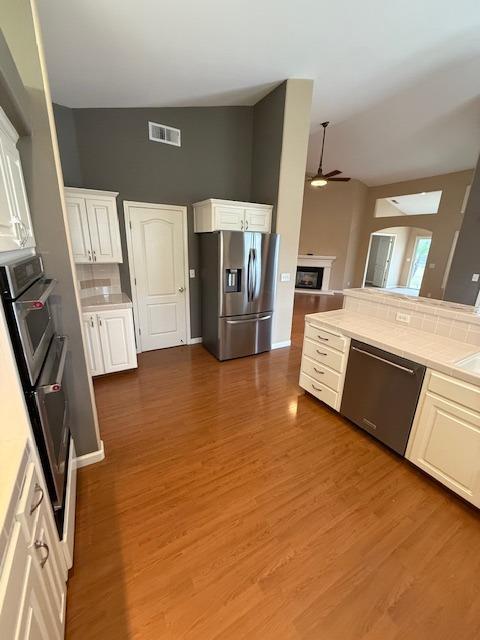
322	179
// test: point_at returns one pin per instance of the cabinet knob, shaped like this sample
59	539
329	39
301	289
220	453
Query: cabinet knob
181	289
42	545
34	507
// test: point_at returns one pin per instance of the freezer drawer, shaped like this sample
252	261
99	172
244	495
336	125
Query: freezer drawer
244	335
380	393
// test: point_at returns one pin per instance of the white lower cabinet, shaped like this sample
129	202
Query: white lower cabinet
33	585
324	363
110	340
445	443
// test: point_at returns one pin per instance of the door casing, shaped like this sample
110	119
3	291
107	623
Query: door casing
182	211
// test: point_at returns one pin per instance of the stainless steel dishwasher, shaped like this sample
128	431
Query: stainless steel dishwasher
380	394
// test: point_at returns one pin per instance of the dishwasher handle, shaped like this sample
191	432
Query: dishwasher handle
411	372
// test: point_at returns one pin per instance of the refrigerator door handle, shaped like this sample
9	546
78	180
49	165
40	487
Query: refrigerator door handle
248	320
255	272
249	276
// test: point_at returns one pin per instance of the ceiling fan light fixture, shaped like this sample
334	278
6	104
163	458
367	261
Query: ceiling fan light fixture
318	181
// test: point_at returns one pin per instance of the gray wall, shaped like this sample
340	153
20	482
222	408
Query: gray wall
41	180
214	161
268	115
68	146
466	259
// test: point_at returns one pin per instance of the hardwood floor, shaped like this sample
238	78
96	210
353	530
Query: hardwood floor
231	505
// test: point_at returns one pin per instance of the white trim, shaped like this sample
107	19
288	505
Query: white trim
92	192
280	345
195	340
131	264
315	292
91	458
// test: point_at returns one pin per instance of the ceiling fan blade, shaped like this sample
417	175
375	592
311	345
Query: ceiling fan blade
332	173
338	179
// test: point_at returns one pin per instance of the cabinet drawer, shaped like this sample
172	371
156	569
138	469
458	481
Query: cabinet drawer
461	392
319	390
324	337
28	506
323	354
321	373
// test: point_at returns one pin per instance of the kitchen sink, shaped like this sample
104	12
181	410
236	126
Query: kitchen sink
472	363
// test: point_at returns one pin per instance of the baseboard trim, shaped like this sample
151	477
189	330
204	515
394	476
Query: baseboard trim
91	458
280	345
195	340
315	292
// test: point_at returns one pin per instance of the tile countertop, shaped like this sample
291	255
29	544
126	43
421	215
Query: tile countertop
106	301
433	351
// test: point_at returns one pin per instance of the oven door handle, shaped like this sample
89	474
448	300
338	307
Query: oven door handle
56	385
39	301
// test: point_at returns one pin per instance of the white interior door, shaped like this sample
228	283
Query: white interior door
383	246
157	233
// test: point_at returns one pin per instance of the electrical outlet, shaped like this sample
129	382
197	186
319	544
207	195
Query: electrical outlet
475	277
284	277
192	273
431	265
403	317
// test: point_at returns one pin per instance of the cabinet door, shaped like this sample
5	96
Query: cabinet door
104	230
446	444
229	218
50	564
24	610
15	230
20	201
78	226
258	219
93	347
117	339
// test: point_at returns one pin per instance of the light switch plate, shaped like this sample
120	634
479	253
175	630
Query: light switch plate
403	317
475	277
285	277
192	273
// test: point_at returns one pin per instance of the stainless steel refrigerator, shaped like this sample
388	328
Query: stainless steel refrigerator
238	276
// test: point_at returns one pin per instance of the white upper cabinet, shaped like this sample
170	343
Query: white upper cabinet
16	231
230	215
94	227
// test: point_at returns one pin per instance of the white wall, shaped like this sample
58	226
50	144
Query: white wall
296	128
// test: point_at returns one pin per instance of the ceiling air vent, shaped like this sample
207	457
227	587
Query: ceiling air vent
162	133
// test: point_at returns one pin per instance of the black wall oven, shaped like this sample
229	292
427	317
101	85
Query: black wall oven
41	355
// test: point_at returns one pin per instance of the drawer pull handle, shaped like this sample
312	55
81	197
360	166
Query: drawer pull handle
321	353
38	489
318	371
42	545
316	388
322	338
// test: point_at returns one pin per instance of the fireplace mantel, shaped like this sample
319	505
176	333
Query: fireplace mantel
317	261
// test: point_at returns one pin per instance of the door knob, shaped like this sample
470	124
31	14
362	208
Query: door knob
181	289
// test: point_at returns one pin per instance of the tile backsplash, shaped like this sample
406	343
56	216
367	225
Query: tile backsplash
98	279
442	318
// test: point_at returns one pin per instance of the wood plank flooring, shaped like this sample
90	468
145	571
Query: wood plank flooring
231	505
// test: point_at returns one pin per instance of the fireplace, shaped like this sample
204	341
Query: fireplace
313	274
309	278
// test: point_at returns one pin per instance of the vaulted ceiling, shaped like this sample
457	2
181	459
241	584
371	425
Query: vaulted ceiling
398	80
